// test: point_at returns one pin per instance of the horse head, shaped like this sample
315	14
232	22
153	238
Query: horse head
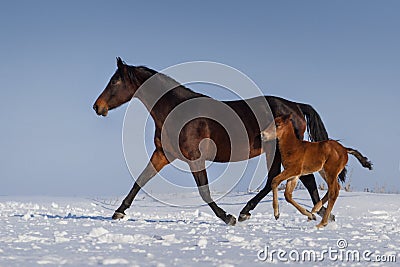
119	90
276	128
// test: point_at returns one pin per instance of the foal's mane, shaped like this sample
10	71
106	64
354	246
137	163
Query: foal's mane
142	73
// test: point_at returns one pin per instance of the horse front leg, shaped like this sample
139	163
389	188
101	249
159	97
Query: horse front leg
285	175
274	170
157	161
290	186
200	175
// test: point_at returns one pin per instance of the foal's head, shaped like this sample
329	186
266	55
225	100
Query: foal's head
121	87
276	130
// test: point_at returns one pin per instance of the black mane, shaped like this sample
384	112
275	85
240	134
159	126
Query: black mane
142	73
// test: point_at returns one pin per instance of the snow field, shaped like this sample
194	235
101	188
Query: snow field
79	232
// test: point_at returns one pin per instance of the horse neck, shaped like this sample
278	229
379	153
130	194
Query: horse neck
161	102
288	141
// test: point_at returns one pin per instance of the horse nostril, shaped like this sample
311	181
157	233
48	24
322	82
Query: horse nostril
95	107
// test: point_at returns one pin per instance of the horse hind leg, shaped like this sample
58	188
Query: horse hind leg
333	193
200	175
290	186
309	182
317	207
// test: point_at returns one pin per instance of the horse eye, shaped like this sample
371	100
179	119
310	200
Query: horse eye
113	82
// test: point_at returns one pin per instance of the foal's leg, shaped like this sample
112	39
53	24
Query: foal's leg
200	175
273	172
290	186
333	192
309	182
157	162
285	175
317	207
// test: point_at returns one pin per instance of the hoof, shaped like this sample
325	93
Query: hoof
118	215
321	225
321	213
230	220
243	217
312	217
276	216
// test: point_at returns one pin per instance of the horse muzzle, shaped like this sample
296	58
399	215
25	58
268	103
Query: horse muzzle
101	110
266	136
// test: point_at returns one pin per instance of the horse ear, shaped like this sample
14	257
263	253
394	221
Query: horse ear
279	120
120	63
286	117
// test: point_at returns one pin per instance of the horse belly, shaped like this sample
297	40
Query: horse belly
240	150
313	165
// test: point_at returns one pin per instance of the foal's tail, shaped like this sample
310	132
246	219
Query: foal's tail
363	160
316	129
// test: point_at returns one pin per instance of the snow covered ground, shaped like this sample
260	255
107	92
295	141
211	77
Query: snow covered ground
78	231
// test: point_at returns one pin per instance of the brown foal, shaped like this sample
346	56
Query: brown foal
301	158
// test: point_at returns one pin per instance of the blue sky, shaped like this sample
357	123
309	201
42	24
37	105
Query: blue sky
56	57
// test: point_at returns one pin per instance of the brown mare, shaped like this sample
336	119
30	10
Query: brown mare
134	81
301	158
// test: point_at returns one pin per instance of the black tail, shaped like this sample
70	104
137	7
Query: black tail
363	160
316	129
